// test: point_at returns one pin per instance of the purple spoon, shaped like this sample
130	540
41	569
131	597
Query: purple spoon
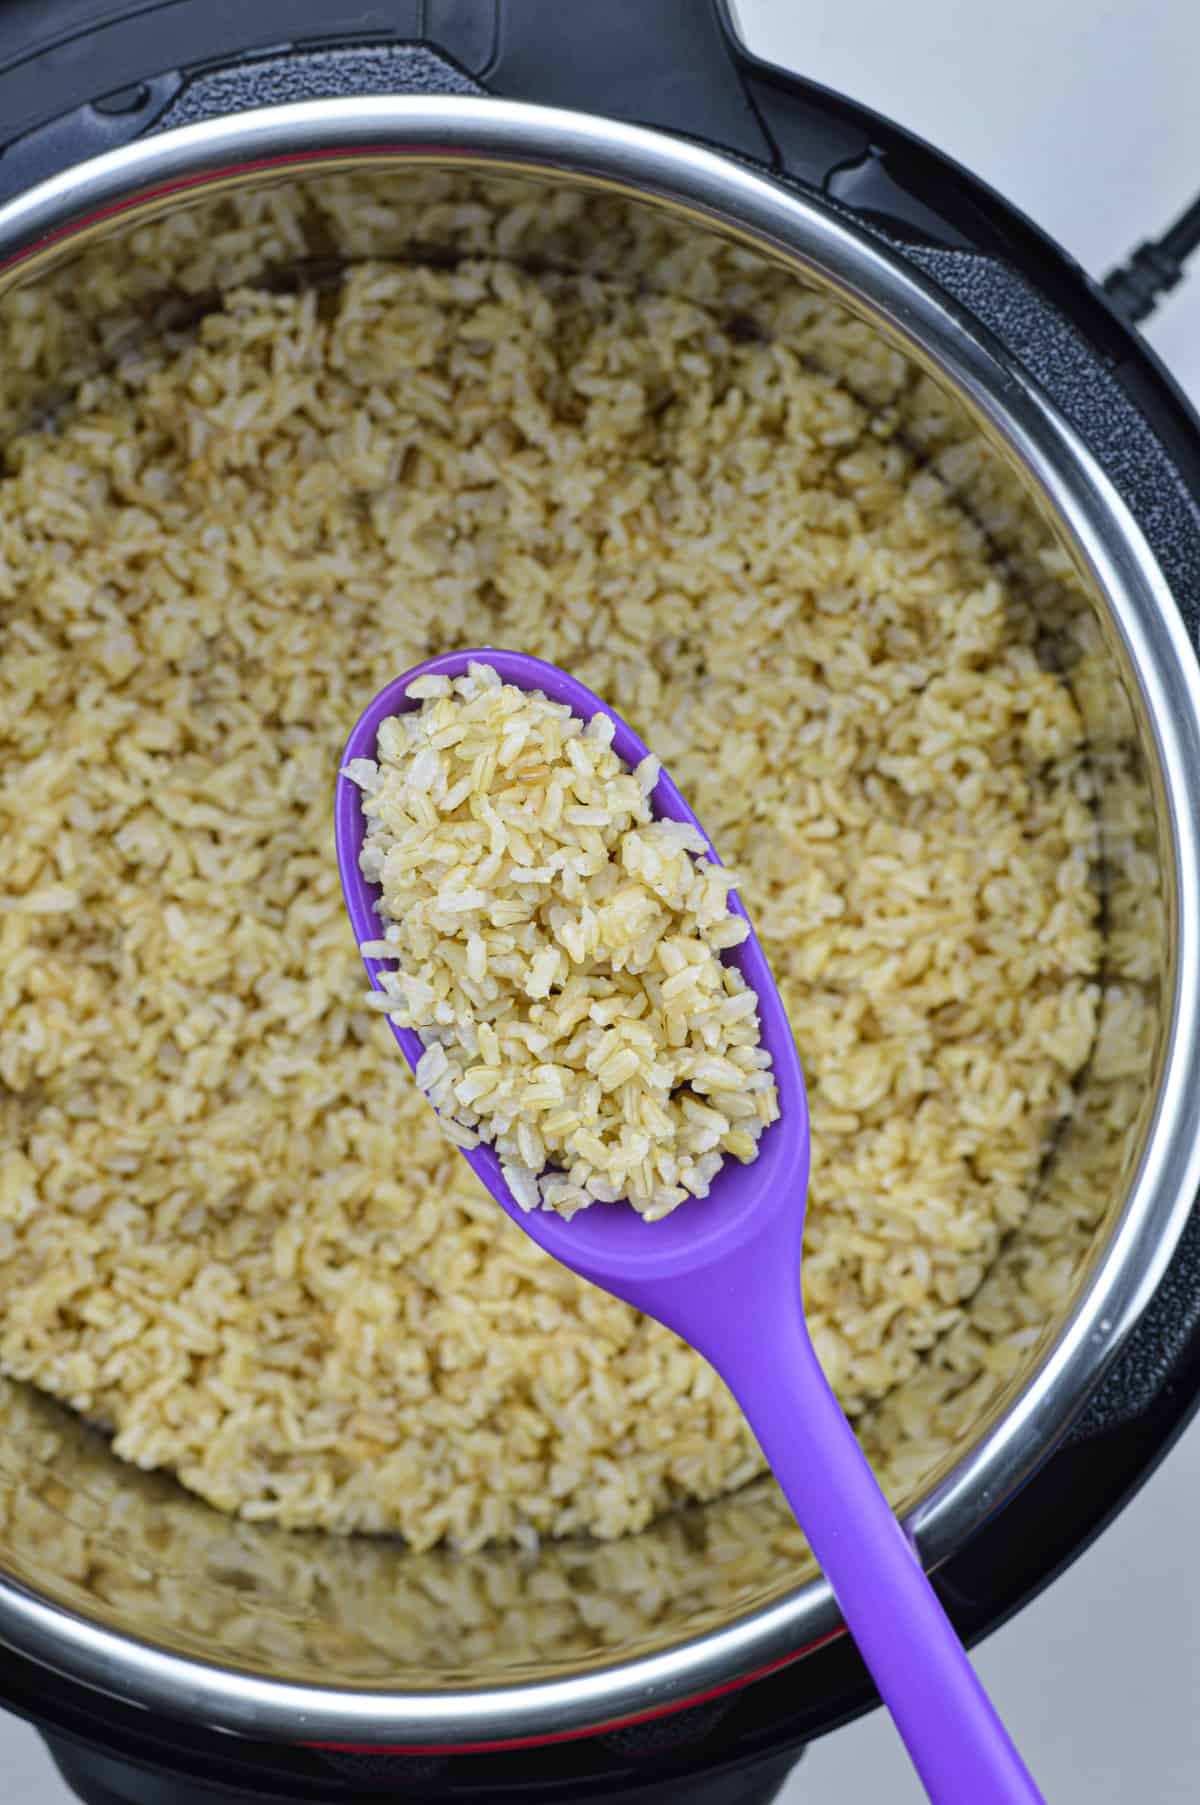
724	1273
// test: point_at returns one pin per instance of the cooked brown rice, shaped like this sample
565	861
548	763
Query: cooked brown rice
228	1231
558	950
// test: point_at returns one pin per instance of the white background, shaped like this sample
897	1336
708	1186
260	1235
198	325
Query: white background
1087	114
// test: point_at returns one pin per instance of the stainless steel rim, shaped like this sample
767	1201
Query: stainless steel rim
1009	407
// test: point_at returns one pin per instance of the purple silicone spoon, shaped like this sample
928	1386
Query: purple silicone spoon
724	1273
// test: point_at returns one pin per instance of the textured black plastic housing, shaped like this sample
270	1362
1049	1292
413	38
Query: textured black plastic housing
78	77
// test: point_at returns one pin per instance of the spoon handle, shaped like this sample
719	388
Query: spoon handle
957	1742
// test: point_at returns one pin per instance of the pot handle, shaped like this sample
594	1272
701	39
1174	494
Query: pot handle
81	77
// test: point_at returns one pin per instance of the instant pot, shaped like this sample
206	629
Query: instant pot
168	1655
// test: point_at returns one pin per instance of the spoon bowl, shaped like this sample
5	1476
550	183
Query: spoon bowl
610	1244
723	1271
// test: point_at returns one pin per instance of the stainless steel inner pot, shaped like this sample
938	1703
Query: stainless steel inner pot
121	1580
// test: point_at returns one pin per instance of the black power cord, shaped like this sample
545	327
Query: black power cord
1136	288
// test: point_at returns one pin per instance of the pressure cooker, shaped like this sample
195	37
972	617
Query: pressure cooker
165	1655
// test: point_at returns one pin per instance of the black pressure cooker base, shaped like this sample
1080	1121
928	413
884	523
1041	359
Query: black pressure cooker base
99	1780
